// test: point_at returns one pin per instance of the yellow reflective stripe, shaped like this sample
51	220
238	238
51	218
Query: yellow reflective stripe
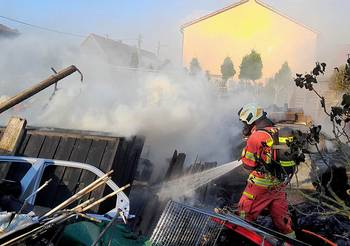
250	196
249	156
260	184
284	139
242	214
262	181
243	153
291	235
287	163
269	142
268	158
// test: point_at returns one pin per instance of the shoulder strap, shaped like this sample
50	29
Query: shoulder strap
273	132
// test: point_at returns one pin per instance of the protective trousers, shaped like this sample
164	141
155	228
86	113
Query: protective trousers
256	198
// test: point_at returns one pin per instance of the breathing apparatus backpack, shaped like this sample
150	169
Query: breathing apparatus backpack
283	164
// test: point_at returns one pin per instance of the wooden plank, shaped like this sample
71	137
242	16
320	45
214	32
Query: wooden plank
69	133
120	163
71	175
94	158
65	149
32	149
109	155
12	135
56	188
171	166
24	143
105	166
134	160
117	166
105	152
12	172
49	147
10	139
34	146
25	94
128	168
48	151
125	166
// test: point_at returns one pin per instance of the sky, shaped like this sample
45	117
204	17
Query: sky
160	20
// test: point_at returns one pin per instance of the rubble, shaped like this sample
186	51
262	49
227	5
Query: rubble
22	228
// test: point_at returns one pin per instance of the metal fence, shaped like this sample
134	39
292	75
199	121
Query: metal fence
184	225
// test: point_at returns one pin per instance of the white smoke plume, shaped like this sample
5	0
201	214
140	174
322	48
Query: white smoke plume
170	108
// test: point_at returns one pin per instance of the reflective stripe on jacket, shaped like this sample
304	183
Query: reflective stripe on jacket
258	147
263	180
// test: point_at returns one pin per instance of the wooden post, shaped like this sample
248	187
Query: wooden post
10	140
12	136
37	88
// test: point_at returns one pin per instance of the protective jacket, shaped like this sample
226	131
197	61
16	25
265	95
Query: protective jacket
265	187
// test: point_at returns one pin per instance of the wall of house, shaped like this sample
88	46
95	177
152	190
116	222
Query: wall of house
235	32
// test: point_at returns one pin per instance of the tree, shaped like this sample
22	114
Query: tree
227	69
251	67
339	81
134	62
339	117
284	75
195	67
207	75
280	82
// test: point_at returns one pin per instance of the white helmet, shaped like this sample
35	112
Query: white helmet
250	113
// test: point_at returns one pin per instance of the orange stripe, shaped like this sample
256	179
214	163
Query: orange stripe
320	237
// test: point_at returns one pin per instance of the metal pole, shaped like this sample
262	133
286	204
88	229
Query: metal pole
105	230
39	87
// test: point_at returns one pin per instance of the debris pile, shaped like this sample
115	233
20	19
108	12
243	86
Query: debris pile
40	196
19	228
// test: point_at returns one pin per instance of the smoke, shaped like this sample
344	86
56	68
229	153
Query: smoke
188	184
170	108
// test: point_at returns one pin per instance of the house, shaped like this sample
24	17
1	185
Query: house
6	32
118	53
249	25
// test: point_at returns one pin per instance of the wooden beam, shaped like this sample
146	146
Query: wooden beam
12	136
38	87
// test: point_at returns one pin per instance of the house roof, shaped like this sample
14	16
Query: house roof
117	48
241	3
8	31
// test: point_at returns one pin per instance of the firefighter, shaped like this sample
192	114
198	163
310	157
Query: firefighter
266	184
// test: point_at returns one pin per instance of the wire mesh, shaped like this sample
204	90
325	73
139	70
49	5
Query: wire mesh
181	224
184	225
